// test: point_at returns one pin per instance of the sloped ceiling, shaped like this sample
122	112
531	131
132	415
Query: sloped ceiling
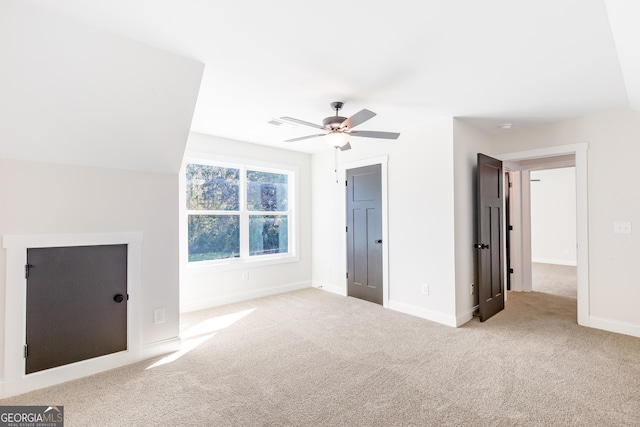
624	16
489	62
73	93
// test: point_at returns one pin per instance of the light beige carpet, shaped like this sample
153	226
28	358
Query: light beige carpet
311	358
555	279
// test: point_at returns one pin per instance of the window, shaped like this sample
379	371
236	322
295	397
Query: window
239	213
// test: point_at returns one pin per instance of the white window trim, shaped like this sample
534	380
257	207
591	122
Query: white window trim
245	261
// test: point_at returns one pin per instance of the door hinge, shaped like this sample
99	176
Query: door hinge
511	270
26	351
511	228
346	229
26	270
347	275
346	183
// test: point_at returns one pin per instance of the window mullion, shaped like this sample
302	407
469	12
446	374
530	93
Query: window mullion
244	215
204	212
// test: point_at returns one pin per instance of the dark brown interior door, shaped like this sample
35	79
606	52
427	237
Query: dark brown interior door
507	215
364	233
490	239
76	304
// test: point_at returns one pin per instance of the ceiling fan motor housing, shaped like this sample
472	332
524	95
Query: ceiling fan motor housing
333	122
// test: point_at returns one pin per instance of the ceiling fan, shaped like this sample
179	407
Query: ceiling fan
340	128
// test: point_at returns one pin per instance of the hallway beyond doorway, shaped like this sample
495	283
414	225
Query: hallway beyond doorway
554	279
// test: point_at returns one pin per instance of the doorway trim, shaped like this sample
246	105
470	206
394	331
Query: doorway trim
15	379
582	214
342	177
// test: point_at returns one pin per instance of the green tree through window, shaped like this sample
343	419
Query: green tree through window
215	214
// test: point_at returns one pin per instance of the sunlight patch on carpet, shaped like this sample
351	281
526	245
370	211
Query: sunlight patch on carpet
198	334
215	324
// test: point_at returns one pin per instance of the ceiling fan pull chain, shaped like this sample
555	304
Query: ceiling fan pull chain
336	164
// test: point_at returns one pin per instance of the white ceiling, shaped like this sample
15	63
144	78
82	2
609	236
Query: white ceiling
71	93
491	61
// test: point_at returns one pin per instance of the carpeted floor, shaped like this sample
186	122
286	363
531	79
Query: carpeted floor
311	358
555	279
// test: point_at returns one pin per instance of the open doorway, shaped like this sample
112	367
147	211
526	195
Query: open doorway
553	231
520	166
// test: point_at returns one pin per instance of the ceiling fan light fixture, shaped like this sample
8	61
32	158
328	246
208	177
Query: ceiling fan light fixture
336	139
341	128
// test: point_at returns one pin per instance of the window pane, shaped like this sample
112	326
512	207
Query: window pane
212	188
268	234
267	191
213	237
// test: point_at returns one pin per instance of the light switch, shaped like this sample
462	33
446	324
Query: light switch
622	227
158	315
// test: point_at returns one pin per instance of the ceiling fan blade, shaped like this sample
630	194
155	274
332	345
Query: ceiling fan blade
304	137
359	117
345	147
374	134
301	122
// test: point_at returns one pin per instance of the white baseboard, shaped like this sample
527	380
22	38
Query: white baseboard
466	316
241	296
423	313
159	348
572	263
22	383
49	377
329	288
614	326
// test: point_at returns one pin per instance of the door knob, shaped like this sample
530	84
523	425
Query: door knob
118	298
379	241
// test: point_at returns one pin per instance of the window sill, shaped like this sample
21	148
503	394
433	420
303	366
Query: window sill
238	264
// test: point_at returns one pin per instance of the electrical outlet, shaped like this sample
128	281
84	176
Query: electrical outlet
622	227
245	276
471	289
425	289
158	315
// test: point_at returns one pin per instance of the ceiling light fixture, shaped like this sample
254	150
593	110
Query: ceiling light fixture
506	126
336	139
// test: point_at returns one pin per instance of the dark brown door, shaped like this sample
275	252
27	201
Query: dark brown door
490	237
76	304
507	215
364	233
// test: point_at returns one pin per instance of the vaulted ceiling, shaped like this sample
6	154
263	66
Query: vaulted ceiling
489	62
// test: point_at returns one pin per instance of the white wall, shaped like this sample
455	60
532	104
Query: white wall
328	237
118	110
468	142
45	198
613	195
421	219
553	216
202	287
